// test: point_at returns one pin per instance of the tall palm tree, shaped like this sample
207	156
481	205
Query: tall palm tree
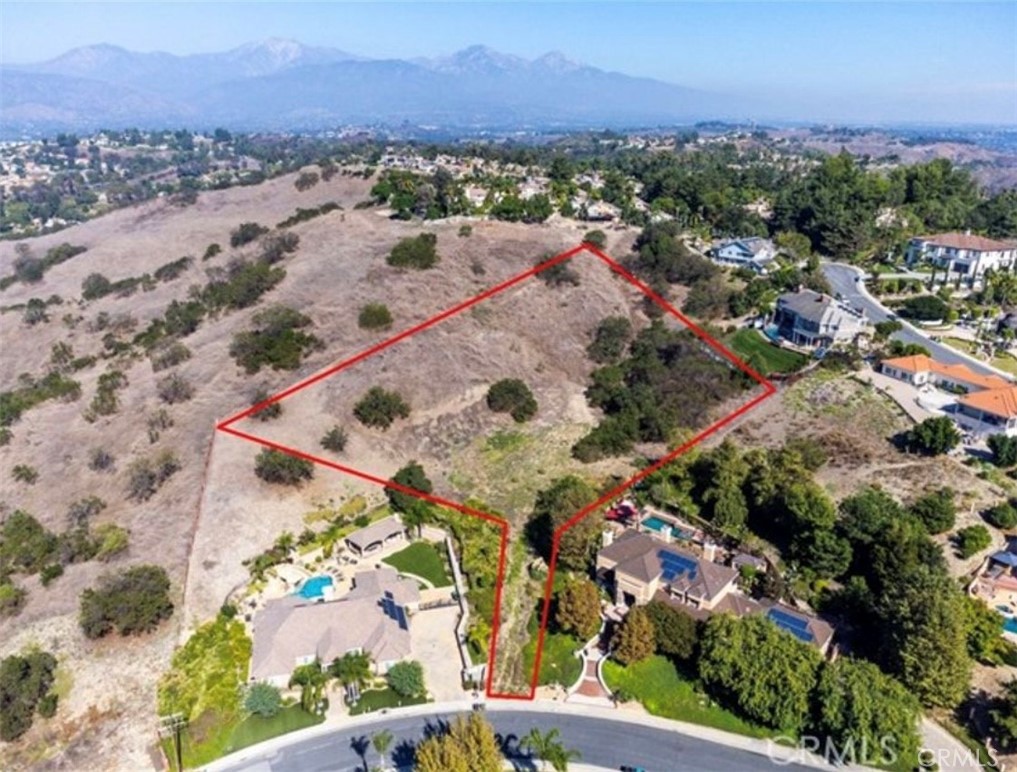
547	747
351	669
382	741
311	680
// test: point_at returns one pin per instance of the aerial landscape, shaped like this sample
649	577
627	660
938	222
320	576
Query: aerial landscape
410	386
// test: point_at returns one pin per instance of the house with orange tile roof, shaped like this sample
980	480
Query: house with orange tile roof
986	404
962	254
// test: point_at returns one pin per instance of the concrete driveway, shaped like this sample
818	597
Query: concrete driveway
433	638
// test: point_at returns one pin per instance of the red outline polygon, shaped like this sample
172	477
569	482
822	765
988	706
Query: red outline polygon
768	390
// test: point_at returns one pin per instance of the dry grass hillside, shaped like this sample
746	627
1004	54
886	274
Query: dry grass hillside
213	513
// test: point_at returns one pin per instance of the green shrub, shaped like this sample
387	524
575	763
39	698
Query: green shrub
596	237
211	251
417	252
112	540
48	705
25	681
379	408
168	355
512	396
25	473
406	679
245	233
972	540
1002	516
174	389
146	475
610	338
375	316
101	460
269	412
274	466
559	274
334	439
49	573
12	599
130	602
276	341
465	231
936	510
263	700
25	544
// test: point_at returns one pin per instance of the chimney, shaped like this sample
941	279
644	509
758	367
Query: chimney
709	550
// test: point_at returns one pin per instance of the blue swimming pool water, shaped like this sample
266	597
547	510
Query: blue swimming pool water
656	524
1010	625
314	587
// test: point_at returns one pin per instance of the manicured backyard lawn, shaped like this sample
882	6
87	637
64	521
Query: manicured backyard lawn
421	559
757	351
663	691
376	699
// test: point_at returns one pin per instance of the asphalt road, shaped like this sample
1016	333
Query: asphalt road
602	742
842	280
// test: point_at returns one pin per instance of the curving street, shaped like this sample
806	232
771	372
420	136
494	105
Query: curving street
604	743
842	279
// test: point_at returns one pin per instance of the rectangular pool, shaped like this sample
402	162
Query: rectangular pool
655	524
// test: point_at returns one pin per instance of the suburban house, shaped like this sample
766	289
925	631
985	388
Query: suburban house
636	568
754	252
384	533
812	319
986	404
962	253
371	618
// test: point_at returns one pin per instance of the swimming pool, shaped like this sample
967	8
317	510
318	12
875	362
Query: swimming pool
654	523
1010	625
314	587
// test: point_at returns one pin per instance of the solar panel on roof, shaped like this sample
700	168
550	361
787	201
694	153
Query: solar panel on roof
789	619
674	565
796	626
401	618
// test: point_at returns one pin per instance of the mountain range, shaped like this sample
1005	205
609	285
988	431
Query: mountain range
282	84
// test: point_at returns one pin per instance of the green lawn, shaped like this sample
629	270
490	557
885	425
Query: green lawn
376	699
1006	363
421	559
219	737
764	356
961	344
558	663
663	691
254	729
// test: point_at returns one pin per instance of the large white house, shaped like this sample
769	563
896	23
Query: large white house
962	253
753	252
808	318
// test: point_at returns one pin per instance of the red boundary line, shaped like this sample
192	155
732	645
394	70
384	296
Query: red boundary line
769	389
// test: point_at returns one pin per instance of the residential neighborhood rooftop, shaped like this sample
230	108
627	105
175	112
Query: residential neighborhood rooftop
956	240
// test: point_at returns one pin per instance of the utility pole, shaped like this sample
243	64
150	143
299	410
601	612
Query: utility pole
172	726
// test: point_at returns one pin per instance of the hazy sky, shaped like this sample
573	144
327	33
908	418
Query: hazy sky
952	61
